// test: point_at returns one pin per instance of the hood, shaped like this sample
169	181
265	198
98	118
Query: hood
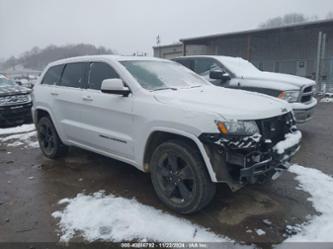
228	103
279	79
7	90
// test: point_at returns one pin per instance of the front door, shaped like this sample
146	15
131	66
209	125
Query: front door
203	66
107	118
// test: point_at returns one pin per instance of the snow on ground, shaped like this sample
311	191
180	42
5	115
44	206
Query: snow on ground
24	135
320	187
110	218
326	100
17	129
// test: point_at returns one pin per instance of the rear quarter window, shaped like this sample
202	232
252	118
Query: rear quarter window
53	75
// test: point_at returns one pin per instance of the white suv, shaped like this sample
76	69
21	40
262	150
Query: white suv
162	118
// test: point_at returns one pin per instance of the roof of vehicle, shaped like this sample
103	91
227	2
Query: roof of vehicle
104	57
221	57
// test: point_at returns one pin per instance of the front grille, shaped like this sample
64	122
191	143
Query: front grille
307	89
275	128
306	94
14	99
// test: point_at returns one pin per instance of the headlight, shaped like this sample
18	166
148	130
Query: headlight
290	96
236	127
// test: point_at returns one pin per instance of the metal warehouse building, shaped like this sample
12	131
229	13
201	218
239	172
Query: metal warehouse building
302	49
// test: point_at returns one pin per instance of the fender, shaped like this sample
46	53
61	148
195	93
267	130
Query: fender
184	134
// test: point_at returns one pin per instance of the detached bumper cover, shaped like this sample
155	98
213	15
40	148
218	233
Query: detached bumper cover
15	114
237	164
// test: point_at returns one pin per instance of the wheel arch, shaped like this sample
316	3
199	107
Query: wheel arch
158	136
40	112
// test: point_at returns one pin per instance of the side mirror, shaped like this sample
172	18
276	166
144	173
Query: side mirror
219	75
115	86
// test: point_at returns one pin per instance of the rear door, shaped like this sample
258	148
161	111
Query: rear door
107	118
67	99
45	92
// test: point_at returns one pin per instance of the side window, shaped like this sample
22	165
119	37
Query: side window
189	63
52	76
73	75
100	71
203	66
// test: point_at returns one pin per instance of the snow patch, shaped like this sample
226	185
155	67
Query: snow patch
320	187
28	140
326	100
110	218
260	232
291	139
18	129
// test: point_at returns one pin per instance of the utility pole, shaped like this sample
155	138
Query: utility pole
318	62
321	49
158	42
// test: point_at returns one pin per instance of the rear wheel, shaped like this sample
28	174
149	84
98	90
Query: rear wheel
179	177
48	139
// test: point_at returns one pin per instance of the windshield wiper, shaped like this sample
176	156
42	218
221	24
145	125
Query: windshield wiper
165	88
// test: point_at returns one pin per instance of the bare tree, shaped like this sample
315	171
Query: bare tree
292	18
37	58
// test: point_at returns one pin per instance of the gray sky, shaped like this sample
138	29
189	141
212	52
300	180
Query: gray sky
132	25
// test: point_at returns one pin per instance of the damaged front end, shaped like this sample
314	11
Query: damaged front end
241	159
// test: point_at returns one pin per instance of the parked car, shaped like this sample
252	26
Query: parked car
15	103
232	72
25	82
164	119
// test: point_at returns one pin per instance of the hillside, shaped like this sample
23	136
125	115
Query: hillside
38	58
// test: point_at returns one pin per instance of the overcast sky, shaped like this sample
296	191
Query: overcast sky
128	26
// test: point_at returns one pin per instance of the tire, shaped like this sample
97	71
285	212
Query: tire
49	141
180	178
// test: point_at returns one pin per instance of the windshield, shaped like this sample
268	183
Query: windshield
160	75
239	66
6	82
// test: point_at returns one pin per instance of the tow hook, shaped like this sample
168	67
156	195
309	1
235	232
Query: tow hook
284	166
280	169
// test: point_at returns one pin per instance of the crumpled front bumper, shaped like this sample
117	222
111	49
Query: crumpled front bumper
270	166
248	160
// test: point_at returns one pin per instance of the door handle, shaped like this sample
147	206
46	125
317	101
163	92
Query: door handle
87	98
54	94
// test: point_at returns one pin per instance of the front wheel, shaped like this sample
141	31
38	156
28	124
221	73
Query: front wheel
49	141
179	177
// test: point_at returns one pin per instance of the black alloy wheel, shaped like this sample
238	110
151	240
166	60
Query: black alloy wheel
49	141
180	178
